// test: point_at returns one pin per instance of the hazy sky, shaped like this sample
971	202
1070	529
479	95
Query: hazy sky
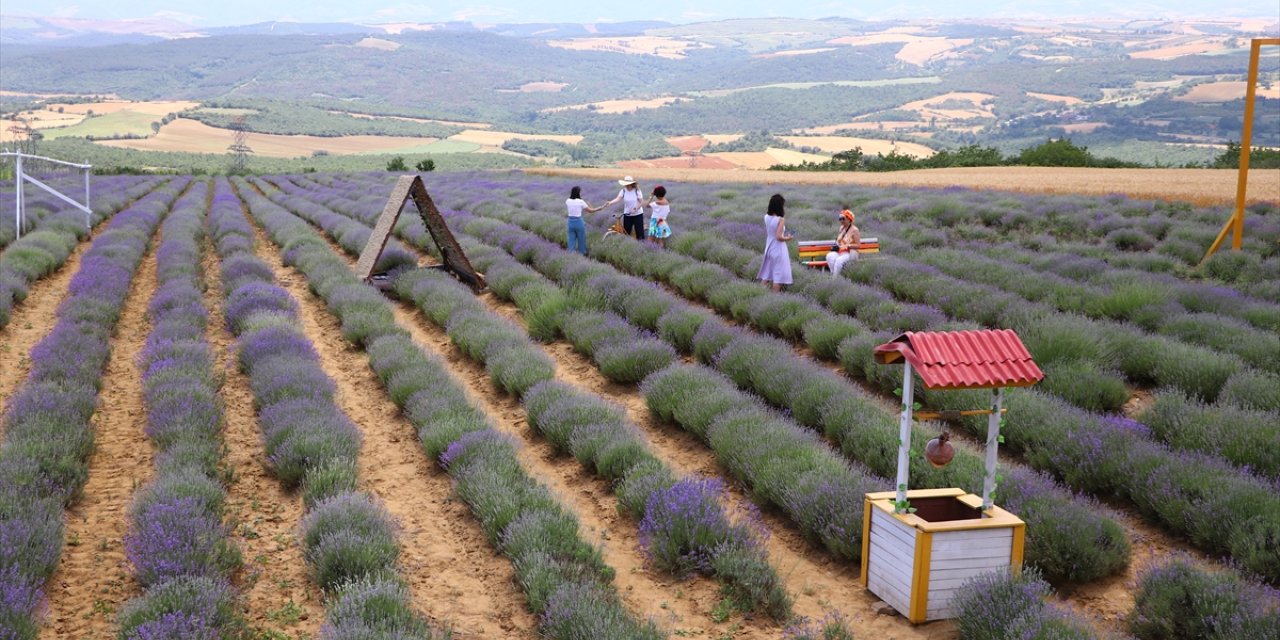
228	12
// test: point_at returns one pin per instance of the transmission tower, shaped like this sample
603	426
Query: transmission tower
24	137
239	147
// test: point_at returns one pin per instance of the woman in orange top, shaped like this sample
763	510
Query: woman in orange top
847	242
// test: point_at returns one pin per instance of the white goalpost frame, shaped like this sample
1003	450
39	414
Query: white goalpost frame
19	176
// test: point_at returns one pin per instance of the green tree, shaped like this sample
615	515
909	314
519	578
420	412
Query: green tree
426	165
397	164
1056	153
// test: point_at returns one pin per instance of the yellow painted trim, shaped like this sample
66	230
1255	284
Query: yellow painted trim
1019	545
866	539
920	578
993	518
917	493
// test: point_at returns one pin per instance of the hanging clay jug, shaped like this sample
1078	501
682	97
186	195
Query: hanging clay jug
938	451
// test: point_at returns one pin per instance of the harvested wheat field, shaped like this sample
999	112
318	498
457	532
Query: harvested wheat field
1226	91
214	428
197	137
154	108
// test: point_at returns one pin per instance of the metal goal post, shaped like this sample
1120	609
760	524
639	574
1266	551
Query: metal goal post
23	175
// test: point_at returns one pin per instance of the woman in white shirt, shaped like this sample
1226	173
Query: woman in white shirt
577	229
632	207
659	209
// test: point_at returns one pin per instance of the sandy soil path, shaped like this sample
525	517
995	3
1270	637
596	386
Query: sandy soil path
454	576
93	577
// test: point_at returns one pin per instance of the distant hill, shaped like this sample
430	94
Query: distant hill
1145	91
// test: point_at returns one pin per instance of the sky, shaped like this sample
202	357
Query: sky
211	13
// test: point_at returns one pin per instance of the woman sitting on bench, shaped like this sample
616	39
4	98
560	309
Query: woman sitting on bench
846	244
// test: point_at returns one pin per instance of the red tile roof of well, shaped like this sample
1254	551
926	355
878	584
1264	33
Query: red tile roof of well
964	359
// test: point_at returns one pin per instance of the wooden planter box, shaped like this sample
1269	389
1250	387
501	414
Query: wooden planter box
916	561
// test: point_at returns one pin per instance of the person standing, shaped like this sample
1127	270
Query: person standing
776	268
577	228
847	242
632	200
659	209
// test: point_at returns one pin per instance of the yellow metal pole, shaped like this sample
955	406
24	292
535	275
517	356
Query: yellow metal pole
1235	224
1246	143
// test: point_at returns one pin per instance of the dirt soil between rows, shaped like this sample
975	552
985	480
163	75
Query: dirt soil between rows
454	576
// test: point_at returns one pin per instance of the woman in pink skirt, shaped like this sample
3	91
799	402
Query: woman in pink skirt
776	268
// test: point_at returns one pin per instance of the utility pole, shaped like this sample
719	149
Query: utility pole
239	147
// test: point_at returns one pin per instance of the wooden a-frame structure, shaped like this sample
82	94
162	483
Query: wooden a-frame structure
453	259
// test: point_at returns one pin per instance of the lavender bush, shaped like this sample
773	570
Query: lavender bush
1178	600
1001	605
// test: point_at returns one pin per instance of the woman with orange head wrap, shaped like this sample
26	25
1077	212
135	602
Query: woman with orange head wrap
847	242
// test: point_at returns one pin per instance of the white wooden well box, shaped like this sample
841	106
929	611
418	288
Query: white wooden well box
916	561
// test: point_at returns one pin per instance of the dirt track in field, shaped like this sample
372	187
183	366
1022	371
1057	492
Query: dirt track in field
31	321
672	603
93	577
453	575
278	593
1202	187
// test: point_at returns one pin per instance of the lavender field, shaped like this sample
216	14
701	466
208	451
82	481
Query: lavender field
213	429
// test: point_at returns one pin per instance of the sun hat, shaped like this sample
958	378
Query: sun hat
626	181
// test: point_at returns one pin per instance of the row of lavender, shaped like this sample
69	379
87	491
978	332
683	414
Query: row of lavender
1075	352
682	526
1235	614
348	539
978	289
1070	348
179	548
1094	546
1148	236
832	514
702	539
40	252
782	463
1090	452
565	579
47	434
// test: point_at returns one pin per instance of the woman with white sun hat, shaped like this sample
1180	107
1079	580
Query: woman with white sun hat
632	200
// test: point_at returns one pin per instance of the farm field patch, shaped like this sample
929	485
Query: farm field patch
1226	91
189	135
496	138
870	146
116	123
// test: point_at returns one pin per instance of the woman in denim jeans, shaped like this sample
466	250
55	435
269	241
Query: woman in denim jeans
577	229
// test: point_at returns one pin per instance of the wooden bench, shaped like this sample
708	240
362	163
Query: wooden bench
813	253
